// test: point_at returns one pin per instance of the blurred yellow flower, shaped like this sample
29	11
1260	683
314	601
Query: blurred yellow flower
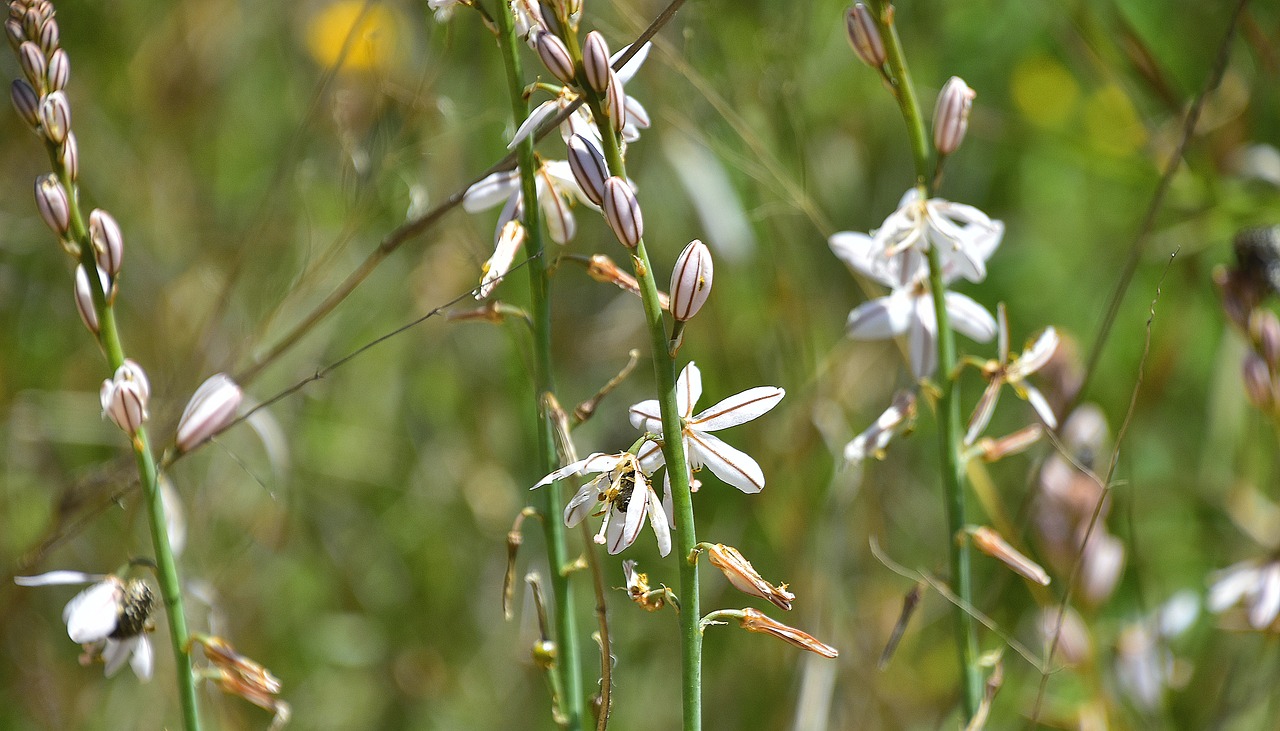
1044	91
374	38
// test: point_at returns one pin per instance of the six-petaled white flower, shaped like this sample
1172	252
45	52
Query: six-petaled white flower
625	495
701	448
1014	372
110	618
963	235
908	308
556	189
1253	583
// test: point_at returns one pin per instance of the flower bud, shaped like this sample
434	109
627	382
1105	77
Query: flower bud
31	60
210	410
55	117
595	61
125	397
48	37
992	544
864	35
108	242
1257	382
84	297
34	19
691	280
27	102
59	70
738	570
951	116
13	31
589	168
616	103
555	56
69	157
51	199
754	620
1264	330
622	211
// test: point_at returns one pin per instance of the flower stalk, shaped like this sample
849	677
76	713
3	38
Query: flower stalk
950	429
568	671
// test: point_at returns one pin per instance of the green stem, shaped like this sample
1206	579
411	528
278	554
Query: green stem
166	566
673	450
568	666
950	431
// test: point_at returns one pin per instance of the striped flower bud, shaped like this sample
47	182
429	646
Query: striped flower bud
35	18
69	157
622	211
555	56
13	31
864	35
59	72
616	103
125	396
595	61
108	242
31	60
211	408
27	102
55	117
84	297
589	168
51	199
48	37
691	280
951	116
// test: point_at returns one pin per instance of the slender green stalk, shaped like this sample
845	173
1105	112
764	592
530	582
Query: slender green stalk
567	666
166	566
673	451
950	431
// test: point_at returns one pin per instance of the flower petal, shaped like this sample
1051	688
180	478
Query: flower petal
491	191
658	521
733	466
143	659
58	577
982	411
1266	598
688	389
594	462
92	614
531	123
738	409
922	338
625	528
881	318
580	506
1036	355
970	318
1041	405
629	70
646	416
651	457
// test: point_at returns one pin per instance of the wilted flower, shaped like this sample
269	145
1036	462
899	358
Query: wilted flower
731	465
754	620
640	592
627	498
994	545
111	618
1013	371
510	239
211	408
908	309
240	675
125	396
739	571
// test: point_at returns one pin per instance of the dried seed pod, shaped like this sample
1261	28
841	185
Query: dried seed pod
51	199
211	408
55	117
951	115
59	72
555	56
864	35
108	242
595	62
622	211
589	168
27	102
31	60
691	280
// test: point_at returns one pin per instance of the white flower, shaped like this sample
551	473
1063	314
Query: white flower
556	189
900	417
443	8
1014	372
110	618
1252	583
908	308
731	465
963	235
627	497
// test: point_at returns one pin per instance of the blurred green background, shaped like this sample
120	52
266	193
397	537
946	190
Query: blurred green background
353	538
